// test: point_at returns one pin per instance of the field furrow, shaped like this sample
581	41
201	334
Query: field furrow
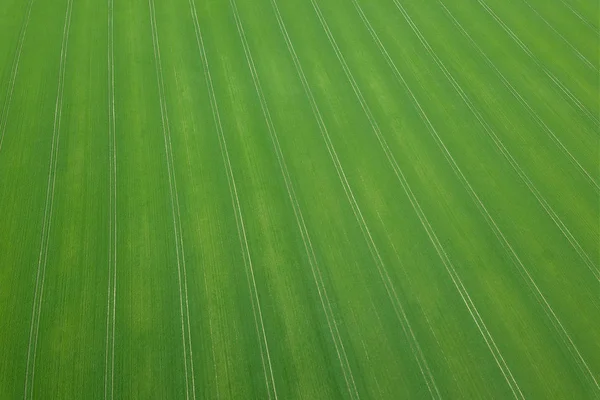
73	305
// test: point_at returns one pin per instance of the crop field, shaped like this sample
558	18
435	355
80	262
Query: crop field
299	199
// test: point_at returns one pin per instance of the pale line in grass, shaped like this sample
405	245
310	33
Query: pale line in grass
110	219
541	299
412	288
486	334
238	212
593	268
354	204
112	246
500	145
534	58
526	180
354	321
577	52
180	226
200	43
211	336
114	193
319	283
415	347
524	102
13	77
47	222
578	15
175	210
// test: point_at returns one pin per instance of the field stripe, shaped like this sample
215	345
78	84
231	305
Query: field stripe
541	299
422	217
524	102
570	96
325	303
200	44
505	152
256	308
581	18
109	370
488	338
47	221
398	308
415	347
176	215
577	52
13	75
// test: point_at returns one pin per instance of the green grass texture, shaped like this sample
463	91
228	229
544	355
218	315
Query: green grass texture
299	199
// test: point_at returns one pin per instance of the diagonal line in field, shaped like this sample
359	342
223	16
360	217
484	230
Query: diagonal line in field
500	145
505	152
200	43
13	75
486	334
577	52
47	221
549	313
317	276
322	127
109	369
256	309
581	18
114	194
415	347
540	298
534	58
356	209
590	264
176	214
523	102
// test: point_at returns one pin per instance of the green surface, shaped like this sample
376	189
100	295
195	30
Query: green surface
313	199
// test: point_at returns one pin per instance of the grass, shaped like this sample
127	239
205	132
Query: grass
300	199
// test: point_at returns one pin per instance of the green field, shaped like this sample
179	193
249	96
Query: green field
299	199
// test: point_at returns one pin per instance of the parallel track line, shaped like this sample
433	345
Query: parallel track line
384	274
590	264
564	39
176	215
256	308
13	75
455	277
540	298
349	193
524	102
317	276
557	82
112	246
48	212
200	44
580	17
500	145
